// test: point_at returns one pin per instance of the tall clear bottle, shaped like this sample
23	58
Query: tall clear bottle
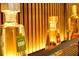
13	33
73	22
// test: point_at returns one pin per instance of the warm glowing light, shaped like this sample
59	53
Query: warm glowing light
52	36
74	9
10	16
10	54
53	28
62	36
52	23
73	22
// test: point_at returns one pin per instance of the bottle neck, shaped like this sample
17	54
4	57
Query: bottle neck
74	10
10	16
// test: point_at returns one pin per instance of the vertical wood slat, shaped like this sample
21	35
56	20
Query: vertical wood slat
48	15
69	11
65	21
45	23
37	35
51	9
30	32
42	24
33	16
40	16
55	9
62	22
59	16
38	27
32	27
26	26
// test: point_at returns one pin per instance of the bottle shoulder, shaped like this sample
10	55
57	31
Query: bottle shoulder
74	16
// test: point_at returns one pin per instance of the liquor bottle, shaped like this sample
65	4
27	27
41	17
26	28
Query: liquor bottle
54	36
13	33
73	23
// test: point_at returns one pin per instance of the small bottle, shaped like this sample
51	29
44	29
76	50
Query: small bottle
54	36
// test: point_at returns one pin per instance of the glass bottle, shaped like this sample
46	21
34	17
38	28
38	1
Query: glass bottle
73	23
13	33
53	30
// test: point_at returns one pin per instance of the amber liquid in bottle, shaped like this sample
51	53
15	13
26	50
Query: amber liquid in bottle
10	42
10	34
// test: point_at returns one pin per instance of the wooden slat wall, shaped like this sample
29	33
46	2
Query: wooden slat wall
36	23
34	17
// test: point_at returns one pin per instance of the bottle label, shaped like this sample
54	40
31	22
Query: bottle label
21	46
